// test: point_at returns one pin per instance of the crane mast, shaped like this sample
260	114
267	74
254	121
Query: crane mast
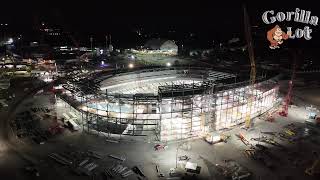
247	30
287	100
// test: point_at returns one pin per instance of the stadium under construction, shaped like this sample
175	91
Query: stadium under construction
170	103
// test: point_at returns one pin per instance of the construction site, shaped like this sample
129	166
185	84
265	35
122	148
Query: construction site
281	142
174	104
129	116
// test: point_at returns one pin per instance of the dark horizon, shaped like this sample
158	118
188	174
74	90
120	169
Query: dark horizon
208	20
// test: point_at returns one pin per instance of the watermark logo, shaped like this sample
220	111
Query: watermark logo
276	35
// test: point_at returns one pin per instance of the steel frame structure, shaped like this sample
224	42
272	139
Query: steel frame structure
178	110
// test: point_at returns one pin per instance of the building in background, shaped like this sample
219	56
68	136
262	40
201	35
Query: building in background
161	46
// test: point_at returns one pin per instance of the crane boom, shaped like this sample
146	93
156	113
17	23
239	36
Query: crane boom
247	30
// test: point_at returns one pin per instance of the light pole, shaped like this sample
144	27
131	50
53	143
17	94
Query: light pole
91	40
106	42
56	68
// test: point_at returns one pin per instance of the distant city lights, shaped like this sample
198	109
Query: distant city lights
103	64
10	41
132	57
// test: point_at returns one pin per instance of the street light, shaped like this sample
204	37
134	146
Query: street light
91	40
106	42
10	41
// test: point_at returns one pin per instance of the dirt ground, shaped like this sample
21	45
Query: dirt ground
288	160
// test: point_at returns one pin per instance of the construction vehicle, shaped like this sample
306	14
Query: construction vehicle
248	36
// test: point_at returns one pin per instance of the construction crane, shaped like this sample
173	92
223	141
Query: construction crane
287	100
247	30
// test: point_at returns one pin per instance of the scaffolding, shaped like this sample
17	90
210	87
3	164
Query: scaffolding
232	103
194	103
183	112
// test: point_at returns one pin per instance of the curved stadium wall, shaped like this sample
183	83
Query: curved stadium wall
177	103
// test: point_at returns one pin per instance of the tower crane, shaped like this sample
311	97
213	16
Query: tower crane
247	30
287	100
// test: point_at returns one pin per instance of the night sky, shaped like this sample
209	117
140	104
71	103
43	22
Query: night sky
103	15
208	19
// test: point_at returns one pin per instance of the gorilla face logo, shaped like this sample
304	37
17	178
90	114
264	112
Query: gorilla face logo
276	37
